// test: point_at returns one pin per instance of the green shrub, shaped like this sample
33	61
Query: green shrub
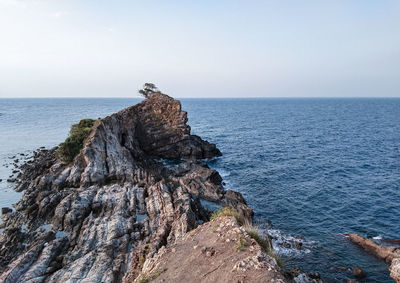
73	144
150	277
265	245
228	211
241	243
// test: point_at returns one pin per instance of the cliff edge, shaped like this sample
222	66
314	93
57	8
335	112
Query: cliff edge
102	217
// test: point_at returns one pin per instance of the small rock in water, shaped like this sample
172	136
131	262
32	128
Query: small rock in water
11	180
298	245
358	272
5	210
1	180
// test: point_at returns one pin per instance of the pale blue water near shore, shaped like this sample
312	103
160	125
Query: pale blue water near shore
314	167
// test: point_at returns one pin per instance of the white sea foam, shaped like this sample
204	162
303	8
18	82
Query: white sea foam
286	244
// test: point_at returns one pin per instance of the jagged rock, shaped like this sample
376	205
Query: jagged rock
301	276
95	219
5	210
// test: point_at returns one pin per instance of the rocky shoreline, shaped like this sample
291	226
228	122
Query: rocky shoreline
106	215
390	254
120	213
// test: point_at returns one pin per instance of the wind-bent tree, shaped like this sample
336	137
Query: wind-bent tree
148	89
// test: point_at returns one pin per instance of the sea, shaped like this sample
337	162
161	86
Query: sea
311	168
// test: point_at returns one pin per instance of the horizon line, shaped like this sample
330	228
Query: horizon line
199	97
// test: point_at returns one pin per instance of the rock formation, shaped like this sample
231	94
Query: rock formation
390	254
395	269
102	217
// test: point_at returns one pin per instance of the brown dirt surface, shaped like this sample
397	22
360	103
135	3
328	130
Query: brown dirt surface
216	251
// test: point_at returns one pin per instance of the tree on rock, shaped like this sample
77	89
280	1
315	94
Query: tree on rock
148	89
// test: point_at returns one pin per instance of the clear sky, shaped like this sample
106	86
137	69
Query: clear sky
206	48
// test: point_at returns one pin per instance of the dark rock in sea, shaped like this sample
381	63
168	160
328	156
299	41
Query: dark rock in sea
5	210
15	171
359	273
300	276
342	268
298	245
101	217
1	180
390	254
11	180
16	160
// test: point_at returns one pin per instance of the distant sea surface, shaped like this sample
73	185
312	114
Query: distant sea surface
313	167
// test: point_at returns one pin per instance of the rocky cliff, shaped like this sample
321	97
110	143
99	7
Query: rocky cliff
106	215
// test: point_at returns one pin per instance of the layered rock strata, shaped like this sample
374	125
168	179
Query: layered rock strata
100	218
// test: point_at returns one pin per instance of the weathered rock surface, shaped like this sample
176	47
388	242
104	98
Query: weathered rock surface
390	254
97	218
395	269
210	253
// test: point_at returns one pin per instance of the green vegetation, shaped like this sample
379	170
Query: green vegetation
73	144
265	245
150	277
148	89
241	243
228	211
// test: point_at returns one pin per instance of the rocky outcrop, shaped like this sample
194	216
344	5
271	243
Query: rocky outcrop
102	217
395	269
390	254
217	251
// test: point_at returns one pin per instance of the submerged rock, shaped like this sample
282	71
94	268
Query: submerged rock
388	253
301	276
358	272
95	219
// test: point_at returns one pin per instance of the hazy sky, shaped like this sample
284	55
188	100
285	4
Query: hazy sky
200	48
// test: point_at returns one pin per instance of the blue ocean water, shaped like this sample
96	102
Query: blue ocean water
314	167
